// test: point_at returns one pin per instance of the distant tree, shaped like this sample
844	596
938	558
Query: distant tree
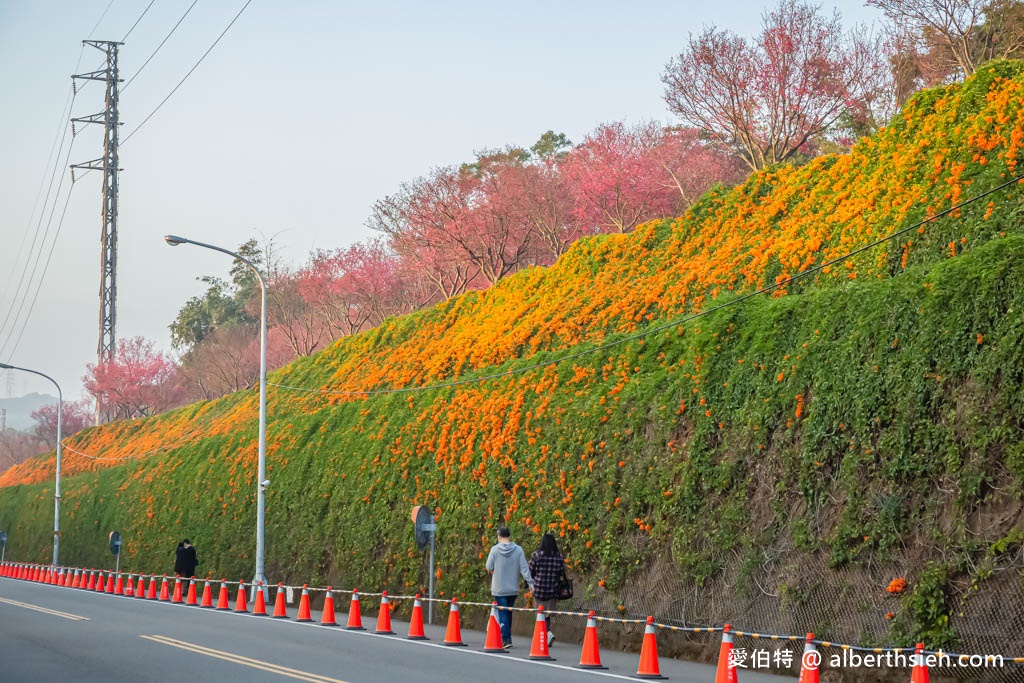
693	165
551	145
139	382
17	447
770	98
227	360
546	202
948	39
75	416
618	178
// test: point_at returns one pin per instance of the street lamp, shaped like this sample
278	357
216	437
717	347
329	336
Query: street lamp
60	437
261	479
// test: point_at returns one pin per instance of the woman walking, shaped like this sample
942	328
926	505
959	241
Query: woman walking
547	566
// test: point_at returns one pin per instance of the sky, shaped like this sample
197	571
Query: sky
302	116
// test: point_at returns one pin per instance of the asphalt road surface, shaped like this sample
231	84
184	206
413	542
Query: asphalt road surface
50	634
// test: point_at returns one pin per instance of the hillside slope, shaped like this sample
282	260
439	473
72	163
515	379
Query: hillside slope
755	463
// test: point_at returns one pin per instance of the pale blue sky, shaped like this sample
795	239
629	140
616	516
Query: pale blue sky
301	117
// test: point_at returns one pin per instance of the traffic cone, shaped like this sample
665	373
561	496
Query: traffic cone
90	585
327	616
259	608
207	596
101	583
304	606
539	647
61	577
355	615
151	591
110	583
726	660
176	596
919	674
649	654
240	605
416	621
77	581
493	641
222	597
453	634
119	586
129	588
590	658
190	597
809	662
384	616
280	609
165	594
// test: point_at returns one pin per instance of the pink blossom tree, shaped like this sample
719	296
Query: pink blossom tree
140	381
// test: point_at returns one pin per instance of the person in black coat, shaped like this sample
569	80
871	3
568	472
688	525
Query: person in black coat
185	559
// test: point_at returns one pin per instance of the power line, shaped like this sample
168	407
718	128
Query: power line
175	28
210	49
661	328
100	20
138	20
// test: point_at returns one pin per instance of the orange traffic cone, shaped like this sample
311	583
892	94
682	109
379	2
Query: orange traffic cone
453	634
726	659
384	616
809	662
259	608
649	654
539	647
493	641
119	586
110	583
190	597
240	605
176	596
416	621
222	597
280	610
61	577
355	615
304	605
151	591
207	596
90	585
129	588
165	594
919	674
327	616
100	581
77	581
590	658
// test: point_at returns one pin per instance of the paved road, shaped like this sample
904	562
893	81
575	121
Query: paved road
58	635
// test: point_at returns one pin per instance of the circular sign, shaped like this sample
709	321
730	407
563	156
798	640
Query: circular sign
424	525
115	543
3	538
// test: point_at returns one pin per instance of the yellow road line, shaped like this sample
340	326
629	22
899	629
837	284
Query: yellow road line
245	661
44	610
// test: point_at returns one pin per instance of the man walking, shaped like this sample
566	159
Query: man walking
506	562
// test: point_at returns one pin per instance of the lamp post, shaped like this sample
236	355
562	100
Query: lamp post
261	481
60	437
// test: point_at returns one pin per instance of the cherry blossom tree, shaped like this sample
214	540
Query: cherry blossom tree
138	382
769	98
75	416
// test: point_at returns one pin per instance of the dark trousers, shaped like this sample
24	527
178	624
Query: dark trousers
505	616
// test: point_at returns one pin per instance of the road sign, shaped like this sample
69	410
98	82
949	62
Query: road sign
115	543
423	531
3	545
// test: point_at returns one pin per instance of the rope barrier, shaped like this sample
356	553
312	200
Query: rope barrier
392	599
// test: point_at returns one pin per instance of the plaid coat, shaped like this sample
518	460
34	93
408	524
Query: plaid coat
546	570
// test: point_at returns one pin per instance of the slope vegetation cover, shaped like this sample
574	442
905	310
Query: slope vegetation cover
864	422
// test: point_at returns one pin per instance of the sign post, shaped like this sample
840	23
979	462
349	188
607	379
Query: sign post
424	531
115	548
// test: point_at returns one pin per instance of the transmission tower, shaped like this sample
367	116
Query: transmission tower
107	346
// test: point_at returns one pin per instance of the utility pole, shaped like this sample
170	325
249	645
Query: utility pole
107	346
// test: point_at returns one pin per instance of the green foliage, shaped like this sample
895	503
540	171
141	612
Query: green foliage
924	611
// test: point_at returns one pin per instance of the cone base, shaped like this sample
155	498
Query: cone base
205	606
455	644
416	638
591	666
541	658
224	609
279	616
495	650
651	677
303	620
354	628
332	624
385	633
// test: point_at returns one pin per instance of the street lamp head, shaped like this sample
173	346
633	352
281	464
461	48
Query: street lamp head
174	240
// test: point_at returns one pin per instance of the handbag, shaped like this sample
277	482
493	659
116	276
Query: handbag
564	587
